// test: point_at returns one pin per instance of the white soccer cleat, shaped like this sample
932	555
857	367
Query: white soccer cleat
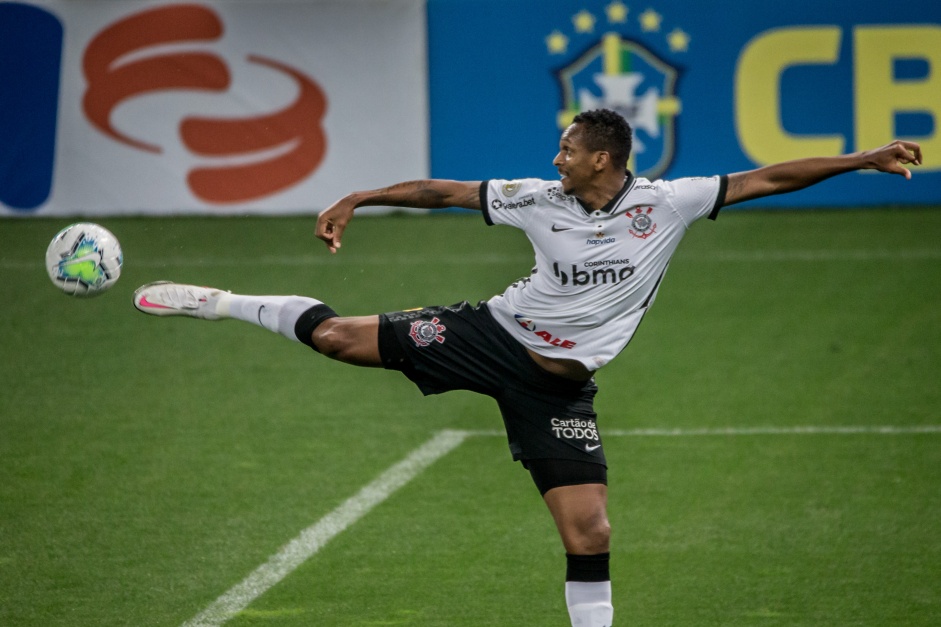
164	298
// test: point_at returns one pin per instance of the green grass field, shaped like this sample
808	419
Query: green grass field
147	466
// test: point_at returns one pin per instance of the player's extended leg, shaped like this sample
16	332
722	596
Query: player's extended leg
580	513
353	340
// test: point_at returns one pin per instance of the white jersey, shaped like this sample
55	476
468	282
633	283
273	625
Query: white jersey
596	272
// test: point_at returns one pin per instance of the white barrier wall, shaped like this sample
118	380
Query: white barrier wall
256	106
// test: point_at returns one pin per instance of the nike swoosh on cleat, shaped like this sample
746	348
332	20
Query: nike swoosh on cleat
556	229
146	303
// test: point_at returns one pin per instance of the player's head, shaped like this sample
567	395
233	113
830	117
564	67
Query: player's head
596	143
603	130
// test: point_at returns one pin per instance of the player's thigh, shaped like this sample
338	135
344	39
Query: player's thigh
580	514
353	340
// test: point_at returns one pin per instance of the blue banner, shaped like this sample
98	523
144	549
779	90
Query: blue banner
30	56
710	88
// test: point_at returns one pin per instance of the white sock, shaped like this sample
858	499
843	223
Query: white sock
275	313
589	603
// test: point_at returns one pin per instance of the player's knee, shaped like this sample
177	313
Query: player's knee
597	537
589	536
334	339
350	340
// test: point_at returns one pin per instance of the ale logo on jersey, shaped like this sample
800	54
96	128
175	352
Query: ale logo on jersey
620	59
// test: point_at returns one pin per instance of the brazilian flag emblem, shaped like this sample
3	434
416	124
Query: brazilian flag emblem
622	75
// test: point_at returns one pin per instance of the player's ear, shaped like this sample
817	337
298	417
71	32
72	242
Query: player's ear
602	160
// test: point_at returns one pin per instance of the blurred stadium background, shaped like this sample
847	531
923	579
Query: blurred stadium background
773	430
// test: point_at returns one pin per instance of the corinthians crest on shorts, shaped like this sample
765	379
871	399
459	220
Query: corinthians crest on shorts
424	332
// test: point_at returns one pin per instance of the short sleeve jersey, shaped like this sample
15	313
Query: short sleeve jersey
596	272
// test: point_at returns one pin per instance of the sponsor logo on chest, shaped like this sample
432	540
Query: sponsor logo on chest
603	272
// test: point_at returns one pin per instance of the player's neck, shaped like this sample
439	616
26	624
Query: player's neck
602	191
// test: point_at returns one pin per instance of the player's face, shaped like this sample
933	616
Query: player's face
574	162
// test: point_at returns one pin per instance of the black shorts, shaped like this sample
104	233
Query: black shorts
461	347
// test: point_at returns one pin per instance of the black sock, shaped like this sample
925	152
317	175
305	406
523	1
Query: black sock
310	320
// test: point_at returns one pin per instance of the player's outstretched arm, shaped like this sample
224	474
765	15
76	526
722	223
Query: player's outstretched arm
424	194
790	176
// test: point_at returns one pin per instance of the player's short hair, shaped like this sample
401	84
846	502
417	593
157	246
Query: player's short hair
607	130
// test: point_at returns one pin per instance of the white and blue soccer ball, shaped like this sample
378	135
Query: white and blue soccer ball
84	259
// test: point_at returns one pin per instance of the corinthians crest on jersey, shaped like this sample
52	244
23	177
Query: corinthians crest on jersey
627	72
642	224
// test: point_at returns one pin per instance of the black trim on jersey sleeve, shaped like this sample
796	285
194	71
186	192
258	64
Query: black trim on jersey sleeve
720	197
484	205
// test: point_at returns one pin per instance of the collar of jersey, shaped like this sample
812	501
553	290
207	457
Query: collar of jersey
609	207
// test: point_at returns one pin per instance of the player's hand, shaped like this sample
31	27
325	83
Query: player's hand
891	157
332	222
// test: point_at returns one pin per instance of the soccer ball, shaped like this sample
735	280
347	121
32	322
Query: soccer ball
84	259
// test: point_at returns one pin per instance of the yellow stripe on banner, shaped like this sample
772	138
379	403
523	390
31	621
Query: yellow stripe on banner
612	54
669	105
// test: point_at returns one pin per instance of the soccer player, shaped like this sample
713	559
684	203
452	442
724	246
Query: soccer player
603	239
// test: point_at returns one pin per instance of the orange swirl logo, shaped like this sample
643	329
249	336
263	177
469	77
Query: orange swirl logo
117	68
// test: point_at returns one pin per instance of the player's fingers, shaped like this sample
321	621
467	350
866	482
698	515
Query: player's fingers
326	225
893	165
333	234
320	229
910	152
324	231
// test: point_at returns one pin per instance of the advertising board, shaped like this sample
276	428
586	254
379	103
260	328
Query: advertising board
131	107
709	87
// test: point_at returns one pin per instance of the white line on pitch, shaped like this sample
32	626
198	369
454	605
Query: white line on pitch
315	537
797	430
500	258
719	431
818	255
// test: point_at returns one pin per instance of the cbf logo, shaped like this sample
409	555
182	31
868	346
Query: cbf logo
624	69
